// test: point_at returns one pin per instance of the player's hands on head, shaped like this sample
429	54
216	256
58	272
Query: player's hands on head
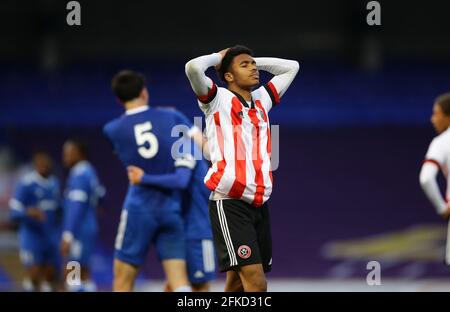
135	174
222	54
36	214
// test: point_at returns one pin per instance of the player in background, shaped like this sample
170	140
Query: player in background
199	245
35	207
240	179
81	197
151	215
438	158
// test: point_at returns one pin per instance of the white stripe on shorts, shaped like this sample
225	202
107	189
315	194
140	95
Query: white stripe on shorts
226	233
208	255
121	230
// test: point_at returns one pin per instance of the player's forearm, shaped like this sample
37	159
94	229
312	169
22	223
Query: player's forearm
277	66
430	187
284	71
201	142
178	180
195	71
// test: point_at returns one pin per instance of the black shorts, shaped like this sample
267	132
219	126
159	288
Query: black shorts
241	233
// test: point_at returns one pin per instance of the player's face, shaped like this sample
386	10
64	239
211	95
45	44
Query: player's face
244	71
439	120
70	154
42	164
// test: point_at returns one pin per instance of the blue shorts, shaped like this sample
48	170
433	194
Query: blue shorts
39	251
201	260
82	248
137	230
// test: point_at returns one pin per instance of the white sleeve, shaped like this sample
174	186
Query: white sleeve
202	85
284	71
78	195
436	152
430	186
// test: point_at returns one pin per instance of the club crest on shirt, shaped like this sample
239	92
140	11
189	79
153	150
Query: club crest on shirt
244	252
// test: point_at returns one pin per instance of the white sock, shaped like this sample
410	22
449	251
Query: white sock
90	286
27	285
74	288
185	288
46	287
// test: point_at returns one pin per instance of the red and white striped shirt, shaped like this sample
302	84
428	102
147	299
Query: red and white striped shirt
239	144
437	157
238	132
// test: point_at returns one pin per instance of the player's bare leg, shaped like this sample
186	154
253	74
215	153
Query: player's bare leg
34	274
253	278
88	284
85	274
175	270
50	274
65	275
196	287
124	276
167	287
84	279
233	282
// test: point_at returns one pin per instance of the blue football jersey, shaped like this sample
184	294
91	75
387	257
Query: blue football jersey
81	197
143	137
195	202
35	191
196	197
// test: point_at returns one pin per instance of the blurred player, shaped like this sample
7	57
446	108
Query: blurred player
199	245
35	207
81	197
151	215
438	158
238	134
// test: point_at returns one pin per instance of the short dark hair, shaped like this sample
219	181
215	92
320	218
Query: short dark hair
80	146
228	59
444	102
127	85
